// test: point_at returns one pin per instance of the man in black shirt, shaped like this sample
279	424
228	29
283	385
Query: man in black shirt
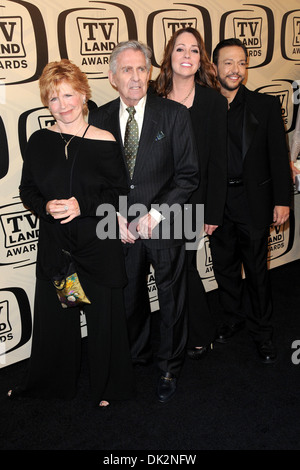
259	191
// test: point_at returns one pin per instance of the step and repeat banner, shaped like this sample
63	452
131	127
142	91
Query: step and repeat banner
35	32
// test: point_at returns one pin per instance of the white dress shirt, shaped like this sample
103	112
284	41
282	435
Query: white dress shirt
139	117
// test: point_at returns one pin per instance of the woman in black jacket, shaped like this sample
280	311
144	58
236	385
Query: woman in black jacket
187	76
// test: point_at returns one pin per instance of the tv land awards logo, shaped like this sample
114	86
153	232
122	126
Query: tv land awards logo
290	35
15	320
255	28
162	24
19	231
100	27
23	42
287	91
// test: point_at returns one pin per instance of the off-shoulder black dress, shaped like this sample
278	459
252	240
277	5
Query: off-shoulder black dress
98	177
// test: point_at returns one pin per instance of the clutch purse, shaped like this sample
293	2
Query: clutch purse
68	288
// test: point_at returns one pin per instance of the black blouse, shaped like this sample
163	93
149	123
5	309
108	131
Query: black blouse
98	177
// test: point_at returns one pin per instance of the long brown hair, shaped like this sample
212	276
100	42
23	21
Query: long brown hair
205	76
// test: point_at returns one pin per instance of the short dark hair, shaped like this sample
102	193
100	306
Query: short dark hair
226	43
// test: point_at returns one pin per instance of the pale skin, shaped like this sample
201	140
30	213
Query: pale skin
231	71
66	106
131	81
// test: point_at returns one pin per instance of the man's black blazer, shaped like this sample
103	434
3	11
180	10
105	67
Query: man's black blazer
266	170
166	170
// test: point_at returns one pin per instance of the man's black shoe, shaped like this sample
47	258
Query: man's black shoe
226	331
267	352
166	387
198	353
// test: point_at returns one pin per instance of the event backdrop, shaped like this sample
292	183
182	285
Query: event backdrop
35	32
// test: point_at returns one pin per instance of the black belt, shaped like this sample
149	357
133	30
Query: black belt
235	182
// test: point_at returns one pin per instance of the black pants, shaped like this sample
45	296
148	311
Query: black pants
55	360
201	327
170	278
238	243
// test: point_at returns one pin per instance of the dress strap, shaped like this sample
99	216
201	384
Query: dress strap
85	131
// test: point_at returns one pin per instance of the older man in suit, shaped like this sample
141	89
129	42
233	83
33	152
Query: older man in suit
161	175
258	194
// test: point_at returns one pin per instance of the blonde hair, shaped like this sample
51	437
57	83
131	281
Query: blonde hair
55	72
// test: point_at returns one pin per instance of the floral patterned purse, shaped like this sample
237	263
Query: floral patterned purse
68	288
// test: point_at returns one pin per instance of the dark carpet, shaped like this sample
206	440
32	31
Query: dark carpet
227	401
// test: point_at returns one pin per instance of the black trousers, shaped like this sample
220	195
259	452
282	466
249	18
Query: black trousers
238	243
170	278
201	326
55	361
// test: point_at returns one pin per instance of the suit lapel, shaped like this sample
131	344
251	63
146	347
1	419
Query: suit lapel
249	126
147	137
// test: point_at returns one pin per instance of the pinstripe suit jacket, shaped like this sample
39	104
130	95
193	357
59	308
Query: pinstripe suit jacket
166	170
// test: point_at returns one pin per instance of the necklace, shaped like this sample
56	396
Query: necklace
68	141
188	95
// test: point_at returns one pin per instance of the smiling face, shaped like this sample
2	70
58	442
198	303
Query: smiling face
66	104
185	57
131	76
231	69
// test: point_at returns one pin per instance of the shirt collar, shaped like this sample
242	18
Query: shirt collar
139	107
239	97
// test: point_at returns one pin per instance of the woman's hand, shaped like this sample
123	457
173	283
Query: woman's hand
66	209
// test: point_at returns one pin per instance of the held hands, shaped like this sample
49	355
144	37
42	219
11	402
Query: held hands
280	215
66	209
126	235
146	225
131	232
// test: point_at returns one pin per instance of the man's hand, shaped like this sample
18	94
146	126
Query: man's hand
280	215
146	225
126	235
209	229
294	171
